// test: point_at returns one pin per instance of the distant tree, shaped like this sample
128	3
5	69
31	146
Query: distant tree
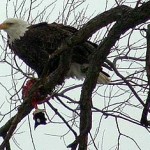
121	35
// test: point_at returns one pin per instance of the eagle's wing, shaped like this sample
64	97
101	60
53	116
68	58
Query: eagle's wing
42	39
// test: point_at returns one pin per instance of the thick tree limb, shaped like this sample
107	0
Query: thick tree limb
144	120
57	77
95	24
126	18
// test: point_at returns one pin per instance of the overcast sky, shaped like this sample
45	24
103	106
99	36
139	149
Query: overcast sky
42	136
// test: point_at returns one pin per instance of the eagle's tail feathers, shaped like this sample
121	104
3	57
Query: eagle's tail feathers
103	79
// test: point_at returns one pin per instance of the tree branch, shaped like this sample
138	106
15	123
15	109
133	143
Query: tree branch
144	120
56	77
126	18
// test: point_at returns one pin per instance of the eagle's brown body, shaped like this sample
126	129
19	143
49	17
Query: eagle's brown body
35	43
43	39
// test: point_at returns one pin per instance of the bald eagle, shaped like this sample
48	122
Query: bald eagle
35	43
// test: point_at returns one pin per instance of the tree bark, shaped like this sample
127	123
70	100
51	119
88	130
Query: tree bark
144	120
125	18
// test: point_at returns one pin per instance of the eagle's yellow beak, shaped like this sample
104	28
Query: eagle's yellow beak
3	26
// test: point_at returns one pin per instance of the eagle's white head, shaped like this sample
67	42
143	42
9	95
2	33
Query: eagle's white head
15	28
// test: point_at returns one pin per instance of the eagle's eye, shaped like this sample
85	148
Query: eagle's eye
9	23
